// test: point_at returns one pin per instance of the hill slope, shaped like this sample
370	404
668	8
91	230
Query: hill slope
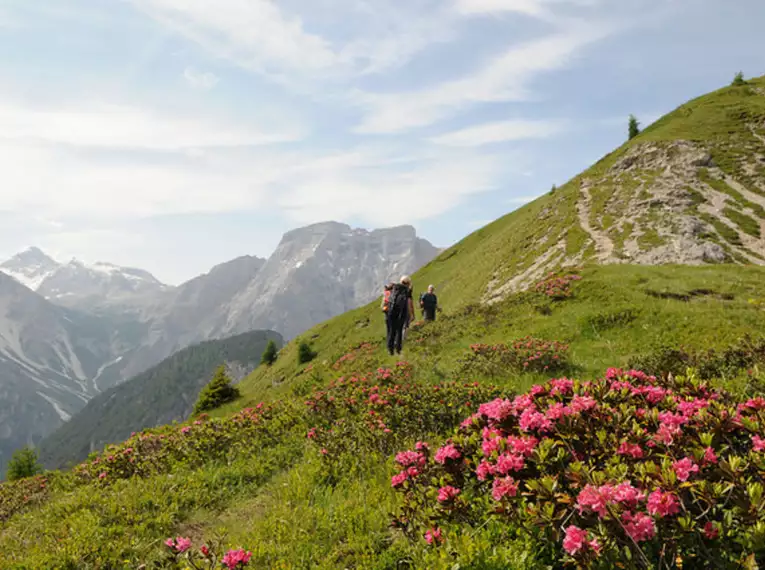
163	394
299	504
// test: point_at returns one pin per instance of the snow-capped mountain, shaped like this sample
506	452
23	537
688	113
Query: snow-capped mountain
30	268
74	284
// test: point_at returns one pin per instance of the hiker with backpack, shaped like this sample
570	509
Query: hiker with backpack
400	311
429	304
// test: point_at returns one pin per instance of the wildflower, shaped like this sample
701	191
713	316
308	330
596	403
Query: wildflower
421	446
709	456
639	526
531	419
523	445
509	462
756	403
408	458
470	421
711	531
628	495
311	433
556	411
537	390
178	544
397	480
663	504
583	404
433	536
561	386
684	468
186	429
497	410
102	475
576	541
447	494
447	452
324	451
595	499
484	470
631	449
234	558
505	487
759	443
205	551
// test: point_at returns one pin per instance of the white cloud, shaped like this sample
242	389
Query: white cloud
544	9
521	200
203	80
117	126
386	188
500	131
505	78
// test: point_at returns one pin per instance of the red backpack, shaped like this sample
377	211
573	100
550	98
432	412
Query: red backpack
386	300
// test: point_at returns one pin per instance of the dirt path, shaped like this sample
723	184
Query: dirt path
603	244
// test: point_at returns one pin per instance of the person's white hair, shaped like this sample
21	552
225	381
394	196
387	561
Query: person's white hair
406	280
431	287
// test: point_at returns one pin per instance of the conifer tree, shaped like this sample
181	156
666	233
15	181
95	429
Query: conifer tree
634	127
305	354
218	392
23	463
269	354
739	80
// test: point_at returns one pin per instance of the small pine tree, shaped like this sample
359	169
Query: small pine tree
305	354
23	463
553	189
739	80
269	354
218	392
634	127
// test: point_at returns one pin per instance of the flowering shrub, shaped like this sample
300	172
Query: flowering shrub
22	493
182	554
363	349
205	440
526	354
376	413
557	286
625	471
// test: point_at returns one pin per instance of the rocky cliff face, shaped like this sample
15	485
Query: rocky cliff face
49	363
321	271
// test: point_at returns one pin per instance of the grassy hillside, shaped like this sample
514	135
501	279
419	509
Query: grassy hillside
253	479
163	394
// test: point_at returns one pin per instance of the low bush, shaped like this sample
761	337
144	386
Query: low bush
528	354
557	286
626	471
305	353
23	464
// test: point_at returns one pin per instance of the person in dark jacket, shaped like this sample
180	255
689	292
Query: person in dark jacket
400	310
429	304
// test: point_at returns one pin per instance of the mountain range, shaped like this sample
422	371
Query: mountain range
70	331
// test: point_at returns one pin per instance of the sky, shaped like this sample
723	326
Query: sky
173	135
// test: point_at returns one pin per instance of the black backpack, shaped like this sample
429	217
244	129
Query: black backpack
399	302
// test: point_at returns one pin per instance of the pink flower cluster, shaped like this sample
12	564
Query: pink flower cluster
598	499
178	544
448	453
576	541
235	559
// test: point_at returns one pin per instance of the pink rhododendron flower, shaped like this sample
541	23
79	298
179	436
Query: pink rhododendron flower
311	433
756	403
397	480
711	532
446	453
556	411
235	559
537	390
489	446
595	499
178	544
185	429
531	419
684	468
758	443
690	409
484	470
323	451
667	433
628	495
575	539
523	445
709	456
410	458
205	551
448	493
497	410
433	536
509	462
639	526
102	475
631	449
505	487
421	446
581	404
469	421
674	420
561	386
663	504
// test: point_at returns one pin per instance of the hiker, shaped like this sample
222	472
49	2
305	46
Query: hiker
429	304
400	311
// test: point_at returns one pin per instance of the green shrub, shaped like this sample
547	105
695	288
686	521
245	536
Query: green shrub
23	464
305	353
269	354
218	392
738	80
